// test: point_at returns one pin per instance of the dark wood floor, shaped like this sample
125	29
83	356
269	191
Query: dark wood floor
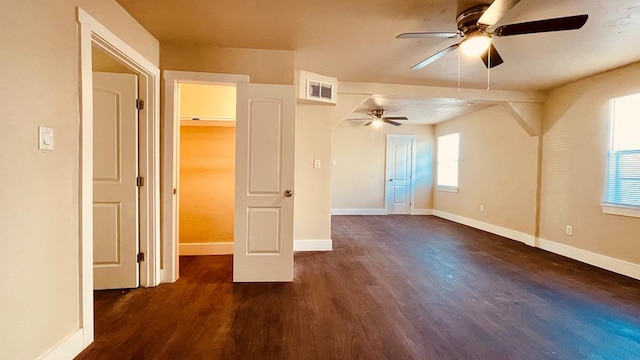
395	287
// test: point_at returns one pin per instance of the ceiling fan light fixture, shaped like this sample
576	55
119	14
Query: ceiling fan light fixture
377	123
476	44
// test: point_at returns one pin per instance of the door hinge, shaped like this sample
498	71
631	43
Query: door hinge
139	104
140	257
139	181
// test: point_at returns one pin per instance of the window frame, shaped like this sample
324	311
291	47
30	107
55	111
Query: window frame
448	188
610	204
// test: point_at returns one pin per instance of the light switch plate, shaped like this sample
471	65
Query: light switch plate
45	138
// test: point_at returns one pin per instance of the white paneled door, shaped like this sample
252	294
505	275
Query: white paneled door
263	244
399	173
115	193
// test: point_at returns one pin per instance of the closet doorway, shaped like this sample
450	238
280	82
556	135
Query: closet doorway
206	163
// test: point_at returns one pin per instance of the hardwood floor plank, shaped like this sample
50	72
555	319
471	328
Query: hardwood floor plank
395	287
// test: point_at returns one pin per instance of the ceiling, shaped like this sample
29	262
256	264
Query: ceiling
419	111
354	40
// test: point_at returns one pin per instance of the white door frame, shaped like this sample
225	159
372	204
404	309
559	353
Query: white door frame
412	186
94	33
170	127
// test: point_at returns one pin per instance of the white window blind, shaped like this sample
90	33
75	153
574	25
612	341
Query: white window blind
447	167
623	158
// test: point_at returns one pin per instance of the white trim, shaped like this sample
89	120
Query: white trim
170	164
494	229
421	211
212	248
622	210
92	32
67	349
447	188
602	261
359	212
313	245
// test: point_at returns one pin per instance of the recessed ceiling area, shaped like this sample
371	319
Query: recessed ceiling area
420	111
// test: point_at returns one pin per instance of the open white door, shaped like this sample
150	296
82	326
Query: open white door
115	192
263	244
399	173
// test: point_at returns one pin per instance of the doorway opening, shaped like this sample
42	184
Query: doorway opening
92	33
206	163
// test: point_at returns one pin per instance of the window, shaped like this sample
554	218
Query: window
447	169
622	189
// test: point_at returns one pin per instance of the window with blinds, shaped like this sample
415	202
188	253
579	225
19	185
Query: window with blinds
623	158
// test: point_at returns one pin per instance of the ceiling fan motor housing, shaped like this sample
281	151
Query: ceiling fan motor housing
377	112
468	19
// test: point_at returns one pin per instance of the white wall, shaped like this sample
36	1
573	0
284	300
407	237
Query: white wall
358	178
39	204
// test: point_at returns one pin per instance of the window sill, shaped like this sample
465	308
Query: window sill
622	210
452	189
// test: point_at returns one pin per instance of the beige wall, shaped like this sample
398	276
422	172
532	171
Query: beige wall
205	100
573	167
207	183
103	62
262	66
358	178
497	168
312	206
39	204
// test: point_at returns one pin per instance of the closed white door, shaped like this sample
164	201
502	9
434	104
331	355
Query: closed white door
399	173
115	193
263	244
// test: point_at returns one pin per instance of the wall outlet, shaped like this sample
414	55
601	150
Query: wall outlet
481	207
568	230
316	163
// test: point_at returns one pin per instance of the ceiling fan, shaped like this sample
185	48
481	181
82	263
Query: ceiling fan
473	27
377	118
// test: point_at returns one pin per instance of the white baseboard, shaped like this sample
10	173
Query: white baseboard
421	212
313	245
602	261
221	248
376	212
598	260
359	212
494	229
69	348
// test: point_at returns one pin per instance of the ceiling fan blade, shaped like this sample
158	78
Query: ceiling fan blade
358	119
369	123
395	118
422	35
492	56
496	11
434	57
391	122
547	25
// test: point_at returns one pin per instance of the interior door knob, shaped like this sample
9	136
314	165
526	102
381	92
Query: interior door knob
288	193
390	180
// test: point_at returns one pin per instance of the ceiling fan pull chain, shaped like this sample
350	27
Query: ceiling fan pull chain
459	70
489	69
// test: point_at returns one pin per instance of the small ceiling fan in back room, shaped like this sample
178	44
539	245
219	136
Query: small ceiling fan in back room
475	28
377	118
